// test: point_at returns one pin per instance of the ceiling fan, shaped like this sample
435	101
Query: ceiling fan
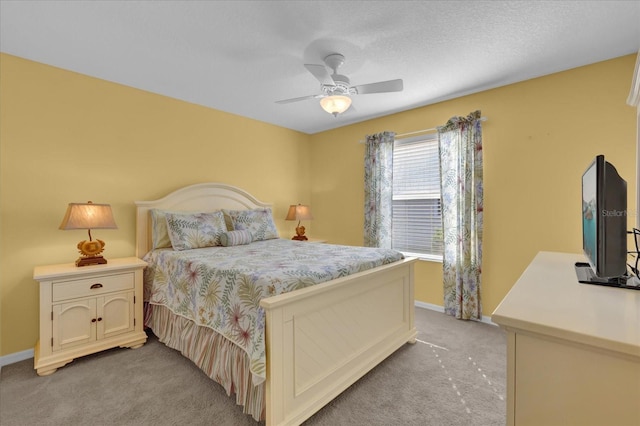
336	89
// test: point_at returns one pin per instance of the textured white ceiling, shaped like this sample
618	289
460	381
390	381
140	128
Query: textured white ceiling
242	56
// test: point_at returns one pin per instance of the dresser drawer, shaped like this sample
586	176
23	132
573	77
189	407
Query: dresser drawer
71	289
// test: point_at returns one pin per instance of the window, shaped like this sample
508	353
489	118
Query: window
417	213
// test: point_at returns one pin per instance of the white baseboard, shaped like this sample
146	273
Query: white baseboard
16	357
429	306
432	307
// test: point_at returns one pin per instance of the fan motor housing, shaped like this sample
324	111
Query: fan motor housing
341	87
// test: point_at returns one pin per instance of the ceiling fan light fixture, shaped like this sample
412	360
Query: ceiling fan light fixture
335	104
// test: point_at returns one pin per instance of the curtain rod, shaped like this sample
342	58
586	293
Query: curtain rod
433	129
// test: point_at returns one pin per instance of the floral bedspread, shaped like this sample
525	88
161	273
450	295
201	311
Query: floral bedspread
221	287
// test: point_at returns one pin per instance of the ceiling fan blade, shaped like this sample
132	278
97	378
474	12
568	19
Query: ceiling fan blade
380	87
320	72
302	98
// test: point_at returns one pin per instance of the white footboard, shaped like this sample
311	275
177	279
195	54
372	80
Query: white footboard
322	339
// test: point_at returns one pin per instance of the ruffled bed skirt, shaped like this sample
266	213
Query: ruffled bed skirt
219	358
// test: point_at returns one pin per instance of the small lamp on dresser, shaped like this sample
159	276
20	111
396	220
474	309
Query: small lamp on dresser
89	216
299	213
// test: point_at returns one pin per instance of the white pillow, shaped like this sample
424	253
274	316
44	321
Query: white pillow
159	232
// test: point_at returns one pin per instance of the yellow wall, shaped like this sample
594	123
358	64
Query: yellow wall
65	137
540	136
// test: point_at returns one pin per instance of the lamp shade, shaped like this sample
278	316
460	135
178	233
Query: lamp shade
335	104
88	216
299	212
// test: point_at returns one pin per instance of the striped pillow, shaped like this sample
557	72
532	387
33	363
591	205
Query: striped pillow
235	238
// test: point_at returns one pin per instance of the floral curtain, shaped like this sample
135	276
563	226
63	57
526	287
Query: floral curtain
378	189
460	146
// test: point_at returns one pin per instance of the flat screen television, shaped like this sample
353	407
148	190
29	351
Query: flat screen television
604	225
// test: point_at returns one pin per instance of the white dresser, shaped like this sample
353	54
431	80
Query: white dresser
573	350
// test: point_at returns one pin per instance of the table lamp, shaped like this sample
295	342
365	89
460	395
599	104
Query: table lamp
89	216
299	213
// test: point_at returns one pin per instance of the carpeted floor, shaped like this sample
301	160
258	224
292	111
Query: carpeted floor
454	376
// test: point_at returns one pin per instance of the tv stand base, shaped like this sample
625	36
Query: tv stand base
586	276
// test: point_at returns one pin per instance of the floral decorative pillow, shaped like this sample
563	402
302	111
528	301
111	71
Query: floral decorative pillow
259	222
195	230
235	238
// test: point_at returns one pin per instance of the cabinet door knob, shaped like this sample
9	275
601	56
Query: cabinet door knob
93	320
96	285
99	318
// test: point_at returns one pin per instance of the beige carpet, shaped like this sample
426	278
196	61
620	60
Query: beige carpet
455	375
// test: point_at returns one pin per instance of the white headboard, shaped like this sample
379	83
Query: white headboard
203	197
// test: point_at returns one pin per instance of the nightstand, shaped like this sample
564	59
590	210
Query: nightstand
88	309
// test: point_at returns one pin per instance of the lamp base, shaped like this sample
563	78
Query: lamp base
91	260
300	238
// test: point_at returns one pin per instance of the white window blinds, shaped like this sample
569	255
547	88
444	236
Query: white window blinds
417	216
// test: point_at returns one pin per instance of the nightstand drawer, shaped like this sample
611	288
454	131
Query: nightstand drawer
71	289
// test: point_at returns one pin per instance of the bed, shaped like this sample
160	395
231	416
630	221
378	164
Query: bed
317	340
